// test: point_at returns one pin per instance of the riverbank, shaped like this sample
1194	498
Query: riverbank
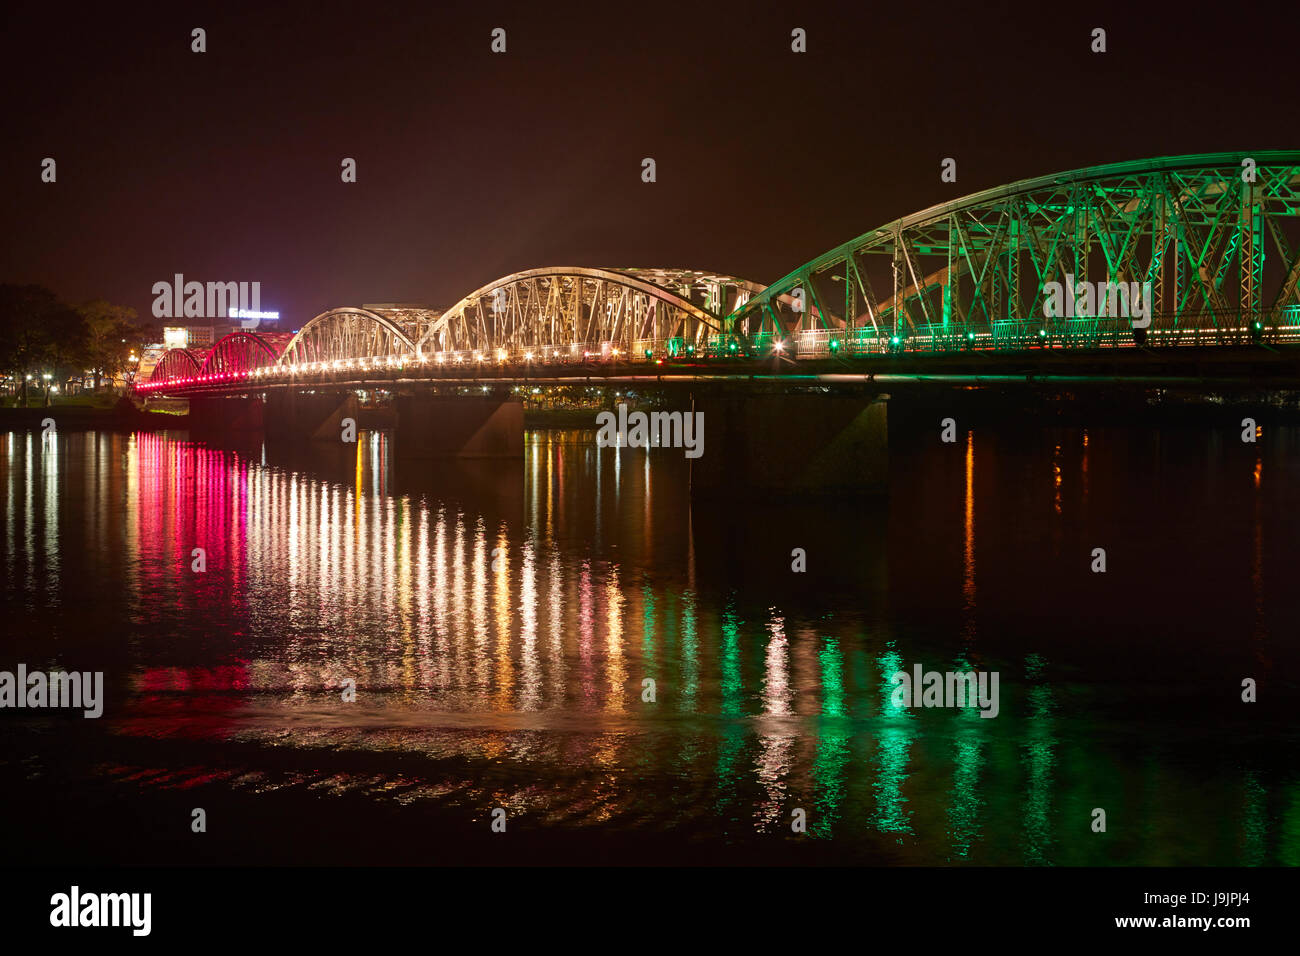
124	416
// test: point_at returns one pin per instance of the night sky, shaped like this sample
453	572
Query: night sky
225	165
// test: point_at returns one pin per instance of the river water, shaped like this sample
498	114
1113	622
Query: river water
634	679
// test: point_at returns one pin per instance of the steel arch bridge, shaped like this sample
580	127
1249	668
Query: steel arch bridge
1216	237
553	310
973	272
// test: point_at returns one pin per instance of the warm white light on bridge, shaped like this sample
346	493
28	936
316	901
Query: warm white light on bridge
528	356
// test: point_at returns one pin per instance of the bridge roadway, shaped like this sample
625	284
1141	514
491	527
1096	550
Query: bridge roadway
1240	366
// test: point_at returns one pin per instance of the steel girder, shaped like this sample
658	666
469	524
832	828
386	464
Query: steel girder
580	309
176	364
244	351
343	334
976	268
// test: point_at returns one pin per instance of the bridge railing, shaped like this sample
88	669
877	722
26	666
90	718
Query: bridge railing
1207	329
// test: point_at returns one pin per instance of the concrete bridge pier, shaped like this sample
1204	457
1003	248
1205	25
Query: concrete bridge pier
446	426
772	445
220	415
303	416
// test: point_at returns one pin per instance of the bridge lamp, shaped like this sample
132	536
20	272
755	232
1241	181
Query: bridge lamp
1042	333
441	358
894	340
835	345
528	356
501	355
778	347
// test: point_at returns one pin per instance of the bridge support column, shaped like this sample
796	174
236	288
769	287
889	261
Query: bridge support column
300	416
798	445
446	426
216	415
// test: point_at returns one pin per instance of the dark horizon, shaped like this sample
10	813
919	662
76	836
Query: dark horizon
225	165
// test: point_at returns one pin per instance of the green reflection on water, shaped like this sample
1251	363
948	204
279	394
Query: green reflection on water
1039	755
732	731
891	816
964	800
832	742
690	655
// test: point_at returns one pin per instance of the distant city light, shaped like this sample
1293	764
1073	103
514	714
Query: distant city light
249	314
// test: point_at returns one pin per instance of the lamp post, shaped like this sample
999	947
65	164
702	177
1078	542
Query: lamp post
47	378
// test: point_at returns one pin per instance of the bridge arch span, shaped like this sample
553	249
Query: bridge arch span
344	334
576	309
177	364
1216	236
243	351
